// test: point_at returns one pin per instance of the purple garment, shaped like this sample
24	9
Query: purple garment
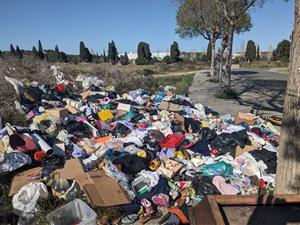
166	153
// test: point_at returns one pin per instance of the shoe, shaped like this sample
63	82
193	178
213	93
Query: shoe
147	205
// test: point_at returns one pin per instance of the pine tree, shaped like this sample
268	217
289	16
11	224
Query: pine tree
250	54
18	52
41	51
34	52
112	54
174	53
258	53
12	49
0	53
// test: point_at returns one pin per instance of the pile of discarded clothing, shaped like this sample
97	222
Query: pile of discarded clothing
152	155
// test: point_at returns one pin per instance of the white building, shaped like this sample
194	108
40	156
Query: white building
159	55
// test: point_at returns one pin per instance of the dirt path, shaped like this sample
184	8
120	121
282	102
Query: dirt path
175	74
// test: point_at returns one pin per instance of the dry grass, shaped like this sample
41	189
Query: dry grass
29	68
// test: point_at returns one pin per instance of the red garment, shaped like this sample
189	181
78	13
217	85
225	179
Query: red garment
60	87
172	141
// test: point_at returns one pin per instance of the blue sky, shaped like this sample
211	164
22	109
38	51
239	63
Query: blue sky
96	22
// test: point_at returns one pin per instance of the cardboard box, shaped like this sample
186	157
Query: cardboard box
239	151
57	112
245	117
72	169
101	189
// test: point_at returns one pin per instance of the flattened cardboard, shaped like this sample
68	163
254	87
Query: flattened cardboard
169	106
124	107
101	189
21	179
71	109
85	95
245	117
239	151
164	105
174	107
57	112
72	169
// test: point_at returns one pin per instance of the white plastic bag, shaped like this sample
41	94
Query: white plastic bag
25	200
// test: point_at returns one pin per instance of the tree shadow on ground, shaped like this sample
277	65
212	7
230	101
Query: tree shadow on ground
275	211
265	95
243	73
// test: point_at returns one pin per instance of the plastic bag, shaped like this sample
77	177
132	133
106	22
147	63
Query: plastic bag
25	200
13	161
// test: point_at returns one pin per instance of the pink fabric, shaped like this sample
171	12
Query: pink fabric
80	119
223	187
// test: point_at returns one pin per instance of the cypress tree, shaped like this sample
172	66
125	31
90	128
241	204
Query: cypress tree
124	60
250	54
84	53
104	56
258	53
81	51
34	52
18	52
12	49
112	54
41	52
57	54
175	53
63	57
144	54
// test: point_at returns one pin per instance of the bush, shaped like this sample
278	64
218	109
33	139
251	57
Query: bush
167	60
204	59
141	61
226	94
145	72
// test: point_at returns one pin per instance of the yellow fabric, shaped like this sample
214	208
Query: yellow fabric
39	118
204	124
142	154
105	115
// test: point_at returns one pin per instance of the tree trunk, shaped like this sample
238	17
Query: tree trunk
212	60
288	167
229	56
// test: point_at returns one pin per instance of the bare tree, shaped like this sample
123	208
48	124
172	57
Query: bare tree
233	10
288	167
